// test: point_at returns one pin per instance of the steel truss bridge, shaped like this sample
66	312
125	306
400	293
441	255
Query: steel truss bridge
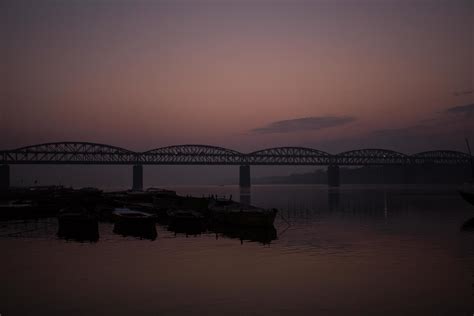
92	153
99	154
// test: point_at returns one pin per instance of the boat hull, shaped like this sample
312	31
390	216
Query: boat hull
134	223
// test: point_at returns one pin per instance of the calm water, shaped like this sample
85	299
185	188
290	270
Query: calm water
351	251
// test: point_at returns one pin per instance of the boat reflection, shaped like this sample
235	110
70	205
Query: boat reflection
80	232
187	228
141	231
78	223
264	235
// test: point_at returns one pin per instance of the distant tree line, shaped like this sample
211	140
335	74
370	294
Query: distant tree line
429	174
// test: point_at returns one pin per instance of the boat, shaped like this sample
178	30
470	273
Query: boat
230	212
189	222
16	207
134	223
78	223
128	216
185	215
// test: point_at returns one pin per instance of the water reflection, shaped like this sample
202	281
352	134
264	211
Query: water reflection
264	235
188	228
81	232
142	230
333	198
245	195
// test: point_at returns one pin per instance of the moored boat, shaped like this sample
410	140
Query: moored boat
134	223
189	222
185	215
126	215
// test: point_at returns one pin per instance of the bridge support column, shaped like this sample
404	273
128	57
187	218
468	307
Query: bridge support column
333	176
244	180
4	177
137	178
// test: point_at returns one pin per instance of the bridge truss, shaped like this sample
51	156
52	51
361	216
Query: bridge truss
92	153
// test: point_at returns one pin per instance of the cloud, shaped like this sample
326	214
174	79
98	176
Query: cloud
460	93
304	124
462	109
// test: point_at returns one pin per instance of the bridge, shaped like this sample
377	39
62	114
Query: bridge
85	153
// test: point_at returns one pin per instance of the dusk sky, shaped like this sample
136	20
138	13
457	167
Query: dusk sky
246	75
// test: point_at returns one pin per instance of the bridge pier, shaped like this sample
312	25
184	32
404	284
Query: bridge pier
4	177
137	178
333	176
244	180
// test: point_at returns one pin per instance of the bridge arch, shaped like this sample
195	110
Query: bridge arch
371	156
289	156
73	153
71	147
441	157
191	154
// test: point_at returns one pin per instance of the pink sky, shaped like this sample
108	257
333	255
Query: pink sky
142	74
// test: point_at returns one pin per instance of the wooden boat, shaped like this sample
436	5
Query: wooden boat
134	223
185	215
76	215
234	213
189	222
128	216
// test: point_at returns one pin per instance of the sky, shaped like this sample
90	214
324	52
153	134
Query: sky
246	75
240	74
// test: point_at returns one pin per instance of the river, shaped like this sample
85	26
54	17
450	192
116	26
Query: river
356	250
